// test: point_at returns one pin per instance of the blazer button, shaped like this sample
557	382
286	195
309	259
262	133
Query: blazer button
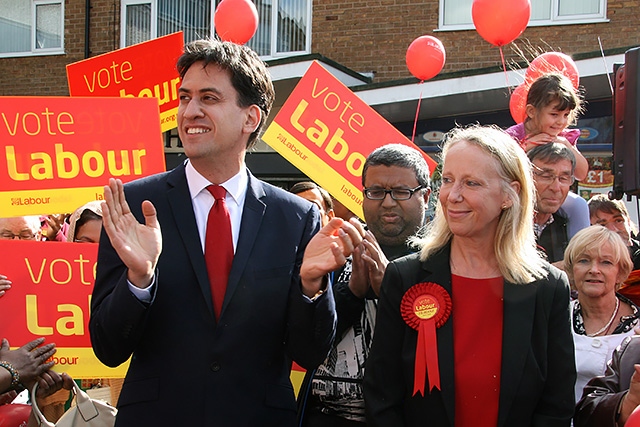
215	366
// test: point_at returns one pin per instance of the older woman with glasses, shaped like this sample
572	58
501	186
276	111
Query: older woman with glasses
20	227
474	329
597	262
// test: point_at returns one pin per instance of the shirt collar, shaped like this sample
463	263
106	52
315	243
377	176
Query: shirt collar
236	186
538	229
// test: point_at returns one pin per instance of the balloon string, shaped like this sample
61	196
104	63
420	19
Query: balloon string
415	121
504	68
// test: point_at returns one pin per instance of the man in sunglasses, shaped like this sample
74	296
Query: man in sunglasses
396	191
553	167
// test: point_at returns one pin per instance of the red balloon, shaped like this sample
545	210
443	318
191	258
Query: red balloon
236	20
518	103
553	62
500	21
425	57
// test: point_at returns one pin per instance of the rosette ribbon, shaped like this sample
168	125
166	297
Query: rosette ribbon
425	307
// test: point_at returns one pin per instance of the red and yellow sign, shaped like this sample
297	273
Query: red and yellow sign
143	70
50	297
327	132
598	179
57	153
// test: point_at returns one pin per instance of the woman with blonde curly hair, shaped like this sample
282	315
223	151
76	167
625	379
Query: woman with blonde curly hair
597	262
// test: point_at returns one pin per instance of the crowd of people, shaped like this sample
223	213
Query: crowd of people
508	307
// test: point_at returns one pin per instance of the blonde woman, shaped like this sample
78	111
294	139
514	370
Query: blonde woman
501	353
597	262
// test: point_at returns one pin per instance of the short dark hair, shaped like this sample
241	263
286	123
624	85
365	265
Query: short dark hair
249	75
552	152
602	203
303	186
86	216
554	87
399	155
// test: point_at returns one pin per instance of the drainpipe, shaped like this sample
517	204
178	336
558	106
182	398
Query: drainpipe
87	22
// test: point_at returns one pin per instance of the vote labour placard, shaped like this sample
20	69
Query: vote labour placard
327	132
143	70
57	153
50	297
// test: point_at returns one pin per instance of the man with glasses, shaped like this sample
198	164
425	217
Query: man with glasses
20	227
396	191
553	167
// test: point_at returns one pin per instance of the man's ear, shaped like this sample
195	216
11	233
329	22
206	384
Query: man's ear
426	195
252	121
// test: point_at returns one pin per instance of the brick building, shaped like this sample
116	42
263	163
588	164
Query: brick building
362	42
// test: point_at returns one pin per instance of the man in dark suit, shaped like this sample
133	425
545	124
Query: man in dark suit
198	359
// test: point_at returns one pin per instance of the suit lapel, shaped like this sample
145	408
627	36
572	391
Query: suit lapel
252	215
517	325
437	271
182	210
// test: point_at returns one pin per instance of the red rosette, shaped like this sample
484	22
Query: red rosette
425	307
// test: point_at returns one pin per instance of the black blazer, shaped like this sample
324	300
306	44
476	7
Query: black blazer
538	367
186	369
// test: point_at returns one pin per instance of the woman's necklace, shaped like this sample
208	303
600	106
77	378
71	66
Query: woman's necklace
606	327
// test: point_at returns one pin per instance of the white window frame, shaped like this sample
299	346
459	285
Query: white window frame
274	34
555	18
123	18
34	29
274	30
34	51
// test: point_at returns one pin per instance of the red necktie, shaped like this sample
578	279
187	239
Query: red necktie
218	247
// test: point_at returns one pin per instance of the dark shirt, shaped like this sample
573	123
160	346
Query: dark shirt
335	387
554	238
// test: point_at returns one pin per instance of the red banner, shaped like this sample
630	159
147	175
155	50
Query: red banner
143	70
50	297
57	153
327	132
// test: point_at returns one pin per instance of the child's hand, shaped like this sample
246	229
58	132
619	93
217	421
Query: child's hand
533	141
544	138
564	141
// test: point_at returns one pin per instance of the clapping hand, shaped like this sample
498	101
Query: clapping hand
138	245
328	250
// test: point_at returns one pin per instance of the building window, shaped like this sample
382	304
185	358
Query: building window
291	35
31	27
456	14
143	20
146	19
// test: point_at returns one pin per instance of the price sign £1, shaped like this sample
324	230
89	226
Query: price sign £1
598	179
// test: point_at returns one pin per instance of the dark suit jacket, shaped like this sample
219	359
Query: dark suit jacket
538	368
186	369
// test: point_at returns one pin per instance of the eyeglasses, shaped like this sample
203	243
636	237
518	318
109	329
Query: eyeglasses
23	235
396	193
548	178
